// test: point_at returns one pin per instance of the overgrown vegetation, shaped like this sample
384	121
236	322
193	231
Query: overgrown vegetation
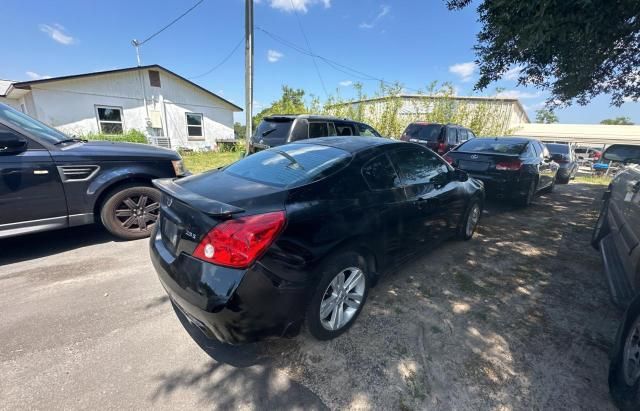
389	112
201	161
597	180
131	136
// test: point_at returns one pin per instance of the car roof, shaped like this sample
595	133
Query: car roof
514	139
352	144
307	116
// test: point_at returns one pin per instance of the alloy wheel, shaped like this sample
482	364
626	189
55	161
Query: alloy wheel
472	220
137	213
342	298
631	355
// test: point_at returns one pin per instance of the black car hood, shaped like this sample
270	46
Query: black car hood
107	150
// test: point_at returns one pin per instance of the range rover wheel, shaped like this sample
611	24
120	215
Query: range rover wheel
339	296
130	212
624	368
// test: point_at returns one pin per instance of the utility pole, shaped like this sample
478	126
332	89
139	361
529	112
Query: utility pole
136	44
248	70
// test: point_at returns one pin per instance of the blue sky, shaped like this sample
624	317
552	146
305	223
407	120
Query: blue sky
412	42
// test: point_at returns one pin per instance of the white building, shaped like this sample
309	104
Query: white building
169	109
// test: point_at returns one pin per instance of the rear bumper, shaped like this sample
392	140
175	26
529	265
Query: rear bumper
500	187
232	306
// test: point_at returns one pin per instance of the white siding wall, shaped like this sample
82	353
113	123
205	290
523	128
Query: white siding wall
70	105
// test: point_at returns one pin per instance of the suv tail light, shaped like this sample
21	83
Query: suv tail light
448	159
510	165
237	243
441	148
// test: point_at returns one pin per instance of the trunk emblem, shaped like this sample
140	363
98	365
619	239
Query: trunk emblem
474	156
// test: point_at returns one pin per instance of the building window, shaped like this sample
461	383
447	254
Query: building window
154	78
110	119
194	125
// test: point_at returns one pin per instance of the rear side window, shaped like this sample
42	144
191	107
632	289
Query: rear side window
452	135
344	129
558	148
462	135
491	145
380	174
290	165
273	131
425	132
318	130
417	166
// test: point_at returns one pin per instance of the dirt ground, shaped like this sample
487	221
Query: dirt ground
517	318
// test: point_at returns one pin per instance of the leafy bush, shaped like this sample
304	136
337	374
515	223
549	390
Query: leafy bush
131	136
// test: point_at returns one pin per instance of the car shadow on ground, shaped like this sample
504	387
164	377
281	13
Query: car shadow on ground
38	245
517	318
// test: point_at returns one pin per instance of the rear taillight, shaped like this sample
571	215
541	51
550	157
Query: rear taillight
441	148
448	159
239	242
511	165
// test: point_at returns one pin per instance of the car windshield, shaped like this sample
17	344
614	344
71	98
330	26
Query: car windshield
273	130
427	132
290	165
558	148
493	146
23	121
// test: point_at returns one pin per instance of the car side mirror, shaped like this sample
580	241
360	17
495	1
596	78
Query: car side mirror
460	175
622	153
12	144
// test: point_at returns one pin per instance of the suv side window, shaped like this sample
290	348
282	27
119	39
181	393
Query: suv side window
300	130
365	130
462	135
452	135
417	165
344	129
470	134
7	134
380	174
318	129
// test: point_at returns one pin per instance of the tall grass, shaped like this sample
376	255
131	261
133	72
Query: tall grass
131	136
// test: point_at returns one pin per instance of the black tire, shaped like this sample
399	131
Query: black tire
329	270
463	233
561	180
625	393
601	228
130	211
526	200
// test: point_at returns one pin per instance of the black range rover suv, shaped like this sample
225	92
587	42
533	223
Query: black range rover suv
49	180
282	129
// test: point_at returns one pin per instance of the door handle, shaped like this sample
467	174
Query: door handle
40	172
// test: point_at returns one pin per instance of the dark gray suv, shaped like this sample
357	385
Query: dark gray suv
617	235
282	129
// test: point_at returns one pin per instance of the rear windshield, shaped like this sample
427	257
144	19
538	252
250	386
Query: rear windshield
273	130
493	146
427	132
558	148
290	165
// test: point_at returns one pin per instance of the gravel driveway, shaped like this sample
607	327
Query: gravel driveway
517	318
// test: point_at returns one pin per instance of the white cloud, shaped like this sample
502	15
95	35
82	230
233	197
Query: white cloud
57	33
464	70
298	5
346	83
384	10
628	99
512	74
517	94
273	56
35	76
535	106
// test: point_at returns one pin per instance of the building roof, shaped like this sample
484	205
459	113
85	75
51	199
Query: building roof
4	87
471	98
582	133
27	84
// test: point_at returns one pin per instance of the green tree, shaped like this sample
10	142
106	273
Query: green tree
239	131
291	102
546	116
575	49
624	121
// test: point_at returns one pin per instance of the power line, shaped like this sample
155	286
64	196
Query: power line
332	63
140	43
224	60
309	48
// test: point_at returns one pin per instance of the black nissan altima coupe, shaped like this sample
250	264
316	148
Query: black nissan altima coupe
302	231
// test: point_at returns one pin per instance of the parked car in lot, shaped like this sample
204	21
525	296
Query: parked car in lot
438	137
587	154
302	231
49	180
277	130
515	168
617	236
564	155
